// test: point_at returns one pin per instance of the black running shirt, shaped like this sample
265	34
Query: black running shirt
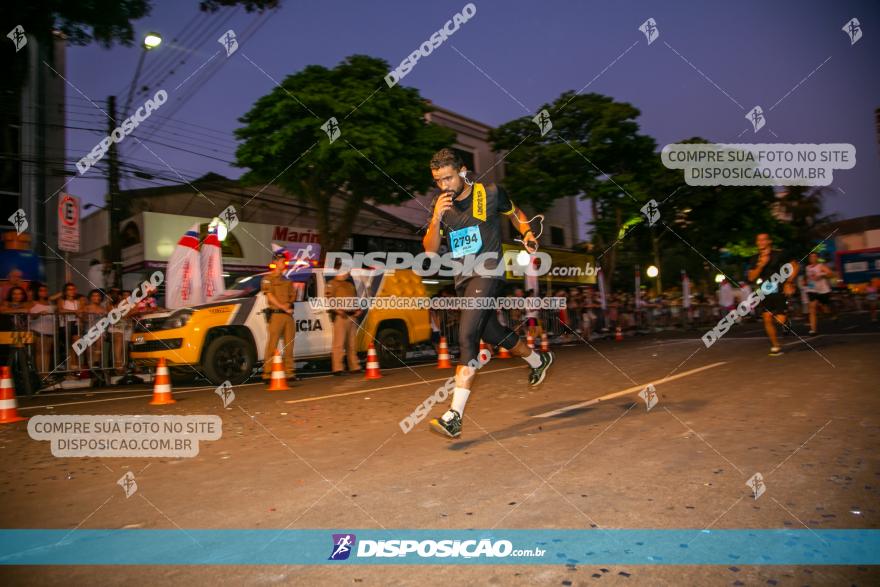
777	259
468	213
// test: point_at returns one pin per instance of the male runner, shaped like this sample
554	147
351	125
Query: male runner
469	215
818	289
763	265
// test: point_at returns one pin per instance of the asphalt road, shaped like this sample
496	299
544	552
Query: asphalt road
330	453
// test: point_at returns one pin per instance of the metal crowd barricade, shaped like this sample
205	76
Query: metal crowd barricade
590	321
449	326
43	343
551	323
547	321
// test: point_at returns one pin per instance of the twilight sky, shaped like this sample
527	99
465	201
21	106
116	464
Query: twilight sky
790	57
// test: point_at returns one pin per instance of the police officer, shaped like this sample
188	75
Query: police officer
280	295
344	324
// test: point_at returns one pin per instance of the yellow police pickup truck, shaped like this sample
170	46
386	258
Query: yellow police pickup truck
226	338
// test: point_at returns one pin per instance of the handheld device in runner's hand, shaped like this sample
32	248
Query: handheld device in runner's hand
534	247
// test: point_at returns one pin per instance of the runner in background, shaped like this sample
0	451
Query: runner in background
764	265
726	298
805	299
532	325
818	289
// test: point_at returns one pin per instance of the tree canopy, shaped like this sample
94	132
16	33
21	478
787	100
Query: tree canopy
380	155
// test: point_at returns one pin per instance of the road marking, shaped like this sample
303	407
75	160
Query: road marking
700	340
374	389
627	391
671	342
195	389
805	341
110	399
758	337
52	394
91	391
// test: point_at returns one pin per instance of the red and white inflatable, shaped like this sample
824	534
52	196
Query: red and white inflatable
212	266
183	275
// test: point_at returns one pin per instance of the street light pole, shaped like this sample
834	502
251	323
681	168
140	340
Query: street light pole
150	41
137	73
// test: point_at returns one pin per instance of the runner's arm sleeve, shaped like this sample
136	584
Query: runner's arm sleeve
503	202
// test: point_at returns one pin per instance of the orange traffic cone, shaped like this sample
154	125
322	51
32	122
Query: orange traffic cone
503	353
545	343
530	341
443	361
162	386
278	379
372	363
618	334
8	406
485	353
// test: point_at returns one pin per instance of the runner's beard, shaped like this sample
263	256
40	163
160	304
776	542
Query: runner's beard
456	192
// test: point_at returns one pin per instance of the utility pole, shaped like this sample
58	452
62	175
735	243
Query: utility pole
113	199
41	232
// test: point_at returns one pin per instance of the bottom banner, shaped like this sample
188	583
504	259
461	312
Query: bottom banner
480	547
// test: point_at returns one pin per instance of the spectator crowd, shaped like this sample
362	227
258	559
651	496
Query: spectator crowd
52	323
586	318
48	324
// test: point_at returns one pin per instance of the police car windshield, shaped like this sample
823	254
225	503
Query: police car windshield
243	287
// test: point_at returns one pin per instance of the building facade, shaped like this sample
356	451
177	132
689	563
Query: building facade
33	167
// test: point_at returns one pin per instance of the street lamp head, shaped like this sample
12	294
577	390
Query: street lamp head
220	227
653	271
152	40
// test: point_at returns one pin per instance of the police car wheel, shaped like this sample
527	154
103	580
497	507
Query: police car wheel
229	358
391	348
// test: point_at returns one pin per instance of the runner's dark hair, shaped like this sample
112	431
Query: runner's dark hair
445	157
13	289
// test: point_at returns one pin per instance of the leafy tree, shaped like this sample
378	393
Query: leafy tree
593	151
702	223
381	154
104	22
800	208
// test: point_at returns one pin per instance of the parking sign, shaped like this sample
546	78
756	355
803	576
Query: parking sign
68	223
